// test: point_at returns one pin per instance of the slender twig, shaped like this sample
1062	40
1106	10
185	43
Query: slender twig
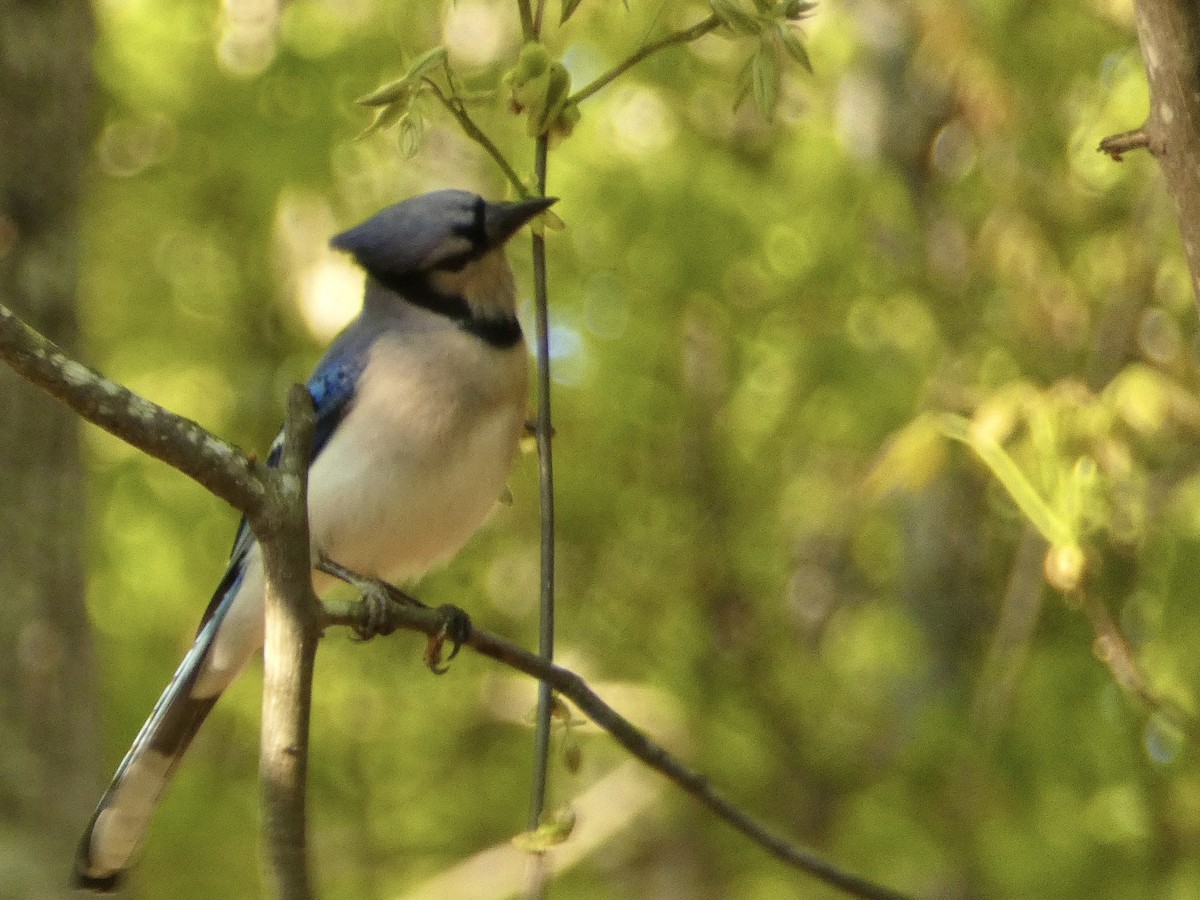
1112	649
1012	636
1116	145
293	628
686	36
475	133
538	12
545	431
405	614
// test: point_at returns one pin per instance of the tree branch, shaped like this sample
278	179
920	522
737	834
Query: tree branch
686	36
1169	34
1117	145
222	468
274	502
293	628
1113	650
409	614
526	11
456	108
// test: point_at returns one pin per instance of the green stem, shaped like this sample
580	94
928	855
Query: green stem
546	484
475	133
686	36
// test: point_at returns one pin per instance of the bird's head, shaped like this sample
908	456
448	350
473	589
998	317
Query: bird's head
439	232
444	251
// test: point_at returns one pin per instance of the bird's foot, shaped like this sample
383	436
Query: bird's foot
379	598
376	601
455	628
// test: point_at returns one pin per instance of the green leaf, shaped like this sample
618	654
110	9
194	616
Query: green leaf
555	828
1011	478
797	9
564	124
412	134
910	460
533	60
387	94
426	63
568	10
385	116
793	45
764	74
543	98
735	17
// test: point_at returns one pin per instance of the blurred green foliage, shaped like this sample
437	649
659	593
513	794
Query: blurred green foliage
769	558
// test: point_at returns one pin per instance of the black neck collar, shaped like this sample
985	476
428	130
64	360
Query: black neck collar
501	333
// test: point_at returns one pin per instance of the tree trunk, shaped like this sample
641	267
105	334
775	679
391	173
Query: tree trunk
1169	34
49	770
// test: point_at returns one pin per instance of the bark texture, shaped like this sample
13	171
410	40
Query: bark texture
1169	34
49	771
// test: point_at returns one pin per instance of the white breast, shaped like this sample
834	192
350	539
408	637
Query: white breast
422	456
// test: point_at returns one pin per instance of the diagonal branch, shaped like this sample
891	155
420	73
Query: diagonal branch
1117	145
685	36
458	109
182	444
1113	649
409	614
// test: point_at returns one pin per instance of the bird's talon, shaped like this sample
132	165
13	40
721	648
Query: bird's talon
456	628
433	655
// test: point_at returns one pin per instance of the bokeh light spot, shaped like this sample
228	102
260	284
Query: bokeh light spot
478	33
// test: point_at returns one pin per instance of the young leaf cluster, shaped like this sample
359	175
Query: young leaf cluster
540	88
1067	458
772	24
395	103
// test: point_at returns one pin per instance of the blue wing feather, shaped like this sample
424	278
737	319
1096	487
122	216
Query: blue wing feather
332	387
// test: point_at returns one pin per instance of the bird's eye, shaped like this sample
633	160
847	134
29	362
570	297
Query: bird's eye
478	233
475	232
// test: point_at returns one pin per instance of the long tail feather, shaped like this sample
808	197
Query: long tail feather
123	815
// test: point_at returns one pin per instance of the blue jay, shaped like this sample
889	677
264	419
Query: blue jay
420	403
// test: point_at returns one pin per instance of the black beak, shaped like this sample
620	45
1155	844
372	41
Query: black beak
502	220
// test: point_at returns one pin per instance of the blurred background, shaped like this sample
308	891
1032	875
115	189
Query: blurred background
768	559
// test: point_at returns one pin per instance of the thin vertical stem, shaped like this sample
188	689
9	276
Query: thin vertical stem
531	24
546	483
